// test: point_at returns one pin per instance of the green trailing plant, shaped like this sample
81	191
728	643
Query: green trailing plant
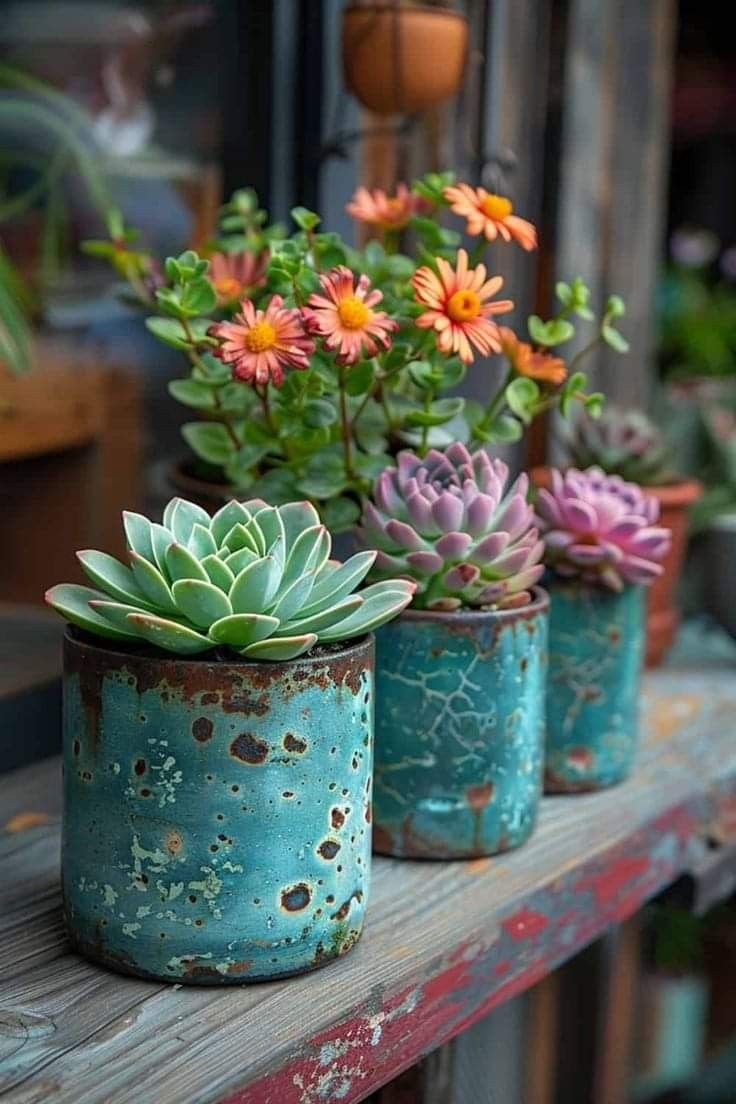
38	107
449	523
313	364
255	578
621	442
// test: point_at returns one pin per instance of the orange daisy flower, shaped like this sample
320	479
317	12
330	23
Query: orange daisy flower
236	275
490	214
526	361
388	212
260	343
458	307
345	318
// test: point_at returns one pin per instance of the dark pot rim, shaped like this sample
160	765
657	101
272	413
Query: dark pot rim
73	638
538	604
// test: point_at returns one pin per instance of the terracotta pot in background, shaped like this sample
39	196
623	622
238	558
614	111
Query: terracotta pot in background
663	615
403	59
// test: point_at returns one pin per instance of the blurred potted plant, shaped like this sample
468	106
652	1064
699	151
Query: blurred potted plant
602	545
218	725
714	518
403	57
312	364
629	444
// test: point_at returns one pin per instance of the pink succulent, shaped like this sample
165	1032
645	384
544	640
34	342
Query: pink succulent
601	529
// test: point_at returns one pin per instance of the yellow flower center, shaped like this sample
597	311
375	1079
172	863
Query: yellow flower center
463	306
497	207
260	337
227	287
353	313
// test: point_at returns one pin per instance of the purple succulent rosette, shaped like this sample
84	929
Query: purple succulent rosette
448	522
601	529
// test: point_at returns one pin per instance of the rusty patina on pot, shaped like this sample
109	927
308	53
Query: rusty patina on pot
216	814
459	731
596	647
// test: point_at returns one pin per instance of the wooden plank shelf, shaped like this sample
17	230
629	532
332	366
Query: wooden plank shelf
444	943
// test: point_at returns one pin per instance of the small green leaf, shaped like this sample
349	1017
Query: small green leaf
615	307
305	219
326	618
594	404
359	379
319	412
281	648
563	292
291	599
180	516
255	586
614	339
72	602
340	514
296	517
232	513
219	572
138	533
554	332
422	374
152	583
200	602
338	582
504	429
192	393
521	395
240	629
198	297
114	578
209	440
182	564
381	602
201	543
169	331
440	412
168	634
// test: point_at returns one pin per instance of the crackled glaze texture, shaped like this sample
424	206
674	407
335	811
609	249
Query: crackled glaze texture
216	815
596	642
459	731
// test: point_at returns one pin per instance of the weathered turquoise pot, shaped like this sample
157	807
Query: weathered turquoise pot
596	648
216	814
459	731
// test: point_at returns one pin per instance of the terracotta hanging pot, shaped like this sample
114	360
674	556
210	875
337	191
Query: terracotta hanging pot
403	58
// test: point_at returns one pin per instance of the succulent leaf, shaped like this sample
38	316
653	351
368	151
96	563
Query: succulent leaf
621	442
448	522
72	601
254	578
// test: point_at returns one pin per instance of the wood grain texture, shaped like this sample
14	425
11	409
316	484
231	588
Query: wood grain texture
445	943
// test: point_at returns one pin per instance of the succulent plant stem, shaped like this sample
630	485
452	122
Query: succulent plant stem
495	405
345	426
197	362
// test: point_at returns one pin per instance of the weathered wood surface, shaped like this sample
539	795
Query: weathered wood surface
444	943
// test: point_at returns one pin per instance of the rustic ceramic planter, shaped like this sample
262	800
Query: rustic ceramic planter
402	58
596	647
205	492
216	815
459	736
663	615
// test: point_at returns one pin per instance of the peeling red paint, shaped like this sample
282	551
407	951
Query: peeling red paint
609	882
525	924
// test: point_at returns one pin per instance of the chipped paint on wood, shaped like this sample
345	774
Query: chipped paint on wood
214	830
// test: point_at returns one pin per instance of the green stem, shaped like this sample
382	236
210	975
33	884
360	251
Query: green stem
584	352
263	395
196	361
497	402
345	426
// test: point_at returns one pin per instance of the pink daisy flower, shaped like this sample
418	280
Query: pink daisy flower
259	344
344	316
235	275
459	307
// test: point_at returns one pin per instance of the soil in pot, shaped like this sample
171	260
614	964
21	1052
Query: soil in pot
459	731
216	814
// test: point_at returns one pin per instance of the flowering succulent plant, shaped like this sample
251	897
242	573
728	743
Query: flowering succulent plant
621	442
601	529
312	364
449	522
255	578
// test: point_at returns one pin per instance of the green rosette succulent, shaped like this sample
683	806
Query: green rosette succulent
255	578
448	522
621	442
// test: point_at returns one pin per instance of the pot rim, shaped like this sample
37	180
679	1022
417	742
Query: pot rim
538	604
381	7
73	638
